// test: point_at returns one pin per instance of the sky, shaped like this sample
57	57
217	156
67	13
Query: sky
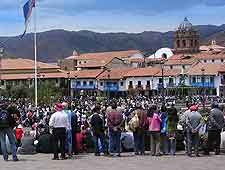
110	15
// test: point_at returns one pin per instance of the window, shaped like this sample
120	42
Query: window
114	83
213	60
91	83
160	80
80	62
178	43
101	83
139	83
222	60
2	83
121	83
130	83
196	43
84	83
193	79
184	43
78	83
57	81
170	80
192	43
211	79
148	83
183	66
205	61
85	62
171	67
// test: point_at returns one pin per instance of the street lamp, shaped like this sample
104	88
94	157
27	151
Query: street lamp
68	84
163	95
203	85
75	88
108	88
1	56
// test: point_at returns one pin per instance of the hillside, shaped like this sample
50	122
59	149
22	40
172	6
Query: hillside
56	44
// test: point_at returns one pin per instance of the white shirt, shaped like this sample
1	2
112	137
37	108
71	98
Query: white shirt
59	120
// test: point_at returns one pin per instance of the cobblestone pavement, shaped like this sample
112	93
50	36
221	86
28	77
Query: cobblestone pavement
126	162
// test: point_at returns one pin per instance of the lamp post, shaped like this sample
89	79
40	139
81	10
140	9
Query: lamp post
203	89
75	88
163	95
108	89
68	84
1	56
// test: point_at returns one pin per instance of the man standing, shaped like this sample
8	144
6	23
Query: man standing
98	130
194	123
215	125
6	128
69	130
114	121
59	122
138	132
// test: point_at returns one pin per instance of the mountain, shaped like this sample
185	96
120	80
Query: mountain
56	44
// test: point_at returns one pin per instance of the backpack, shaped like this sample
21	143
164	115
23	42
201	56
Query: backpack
134	123
4	119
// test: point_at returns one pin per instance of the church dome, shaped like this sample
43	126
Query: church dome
185	25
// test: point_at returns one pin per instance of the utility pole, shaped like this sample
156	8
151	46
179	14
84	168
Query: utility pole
1	56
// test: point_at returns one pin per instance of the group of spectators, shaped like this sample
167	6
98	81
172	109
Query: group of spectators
74	124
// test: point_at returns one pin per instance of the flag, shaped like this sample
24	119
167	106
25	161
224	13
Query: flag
27	11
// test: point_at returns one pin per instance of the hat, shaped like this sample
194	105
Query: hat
58	107
194	108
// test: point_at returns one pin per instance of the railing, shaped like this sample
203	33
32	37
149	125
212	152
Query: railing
84	87
139	87
201	84
111	87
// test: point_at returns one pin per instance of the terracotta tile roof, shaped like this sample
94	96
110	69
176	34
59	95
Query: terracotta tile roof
24	64
31	76
209	69
181	59
96	63
210	56
135	60
143	72
114	74
170	72
85	74
103	55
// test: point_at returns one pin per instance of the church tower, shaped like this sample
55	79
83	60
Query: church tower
186	38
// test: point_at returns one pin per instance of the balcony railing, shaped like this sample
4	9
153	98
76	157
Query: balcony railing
139	87
201	84
111	87
84	87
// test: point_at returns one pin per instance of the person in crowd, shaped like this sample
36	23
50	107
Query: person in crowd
194	123
114	121
27	147
140	116
163	132
154	128
69	130
172	128
97	125
7	123
215	125
59	122
19	135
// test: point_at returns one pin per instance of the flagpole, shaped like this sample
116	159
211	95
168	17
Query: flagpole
35	59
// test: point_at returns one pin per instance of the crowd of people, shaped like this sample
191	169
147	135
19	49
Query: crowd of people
79	125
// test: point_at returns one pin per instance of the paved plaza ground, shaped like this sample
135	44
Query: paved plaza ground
126	162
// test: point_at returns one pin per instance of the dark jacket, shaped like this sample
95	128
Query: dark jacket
97	124
6	119
216	119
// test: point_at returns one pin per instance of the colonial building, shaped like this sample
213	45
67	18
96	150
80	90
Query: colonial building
21	72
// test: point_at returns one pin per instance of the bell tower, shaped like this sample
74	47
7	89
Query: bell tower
186	38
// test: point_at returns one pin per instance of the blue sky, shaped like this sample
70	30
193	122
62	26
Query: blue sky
110	15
